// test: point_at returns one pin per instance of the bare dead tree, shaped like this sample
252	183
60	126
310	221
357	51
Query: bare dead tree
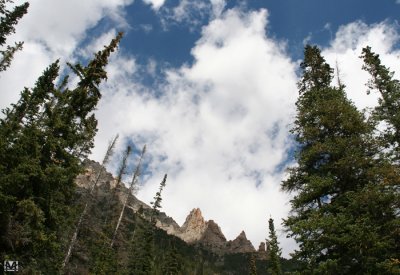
131	188
122	168
106	158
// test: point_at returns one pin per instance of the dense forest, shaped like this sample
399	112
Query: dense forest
345	186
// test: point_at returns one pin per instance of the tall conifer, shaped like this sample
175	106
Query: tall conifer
339	212
43	138
8	20
274	251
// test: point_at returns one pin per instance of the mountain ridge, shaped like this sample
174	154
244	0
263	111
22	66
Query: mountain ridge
195	230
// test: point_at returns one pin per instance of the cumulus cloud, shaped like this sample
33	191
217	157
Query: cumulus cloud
53	30
156	4
219	128
346	47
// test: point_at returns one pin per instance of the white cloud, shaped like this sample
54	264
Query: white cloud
219	128
156	4
60	25
346	48
53	30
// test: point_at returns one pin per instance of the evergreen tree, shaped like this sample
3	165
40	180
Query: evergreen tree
8	20
387	112
388	109
171	264
141	256
252	264
141	260
106	158
157	201
43	138
342	217
274	251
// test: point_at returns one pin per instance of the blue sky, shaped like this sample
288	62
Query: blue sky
209	86
290	20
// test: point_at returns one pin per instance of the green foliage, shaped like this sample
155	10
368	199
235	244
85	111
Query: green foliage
389	101
8	20
343	211
172	263
43	138
103	258
274	250
141	257
252	264
157	200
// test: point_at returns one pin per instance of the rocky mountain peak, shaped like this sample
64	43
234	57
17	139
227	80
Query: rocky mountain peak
194	220
213	236
193	228
242	236
209	234
240	245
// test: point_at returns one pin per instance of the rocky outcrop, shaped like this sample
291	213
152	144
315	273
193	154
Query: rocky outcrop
107	182
261	247
213	237
195	229
240	245
262	251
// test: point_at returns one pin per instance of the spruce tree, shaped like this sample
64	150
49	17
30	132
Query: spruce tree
141	259
387	112
8	20
43	138
157	201
141	252
341	215
171	265
274	251
388	109
252	264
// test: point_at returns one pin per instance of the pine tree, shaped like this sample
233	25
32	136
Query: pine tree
141	255
171	264
43	138
141	260
252	264
341	216
274	251
388	108
157	201
388	112
8	20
